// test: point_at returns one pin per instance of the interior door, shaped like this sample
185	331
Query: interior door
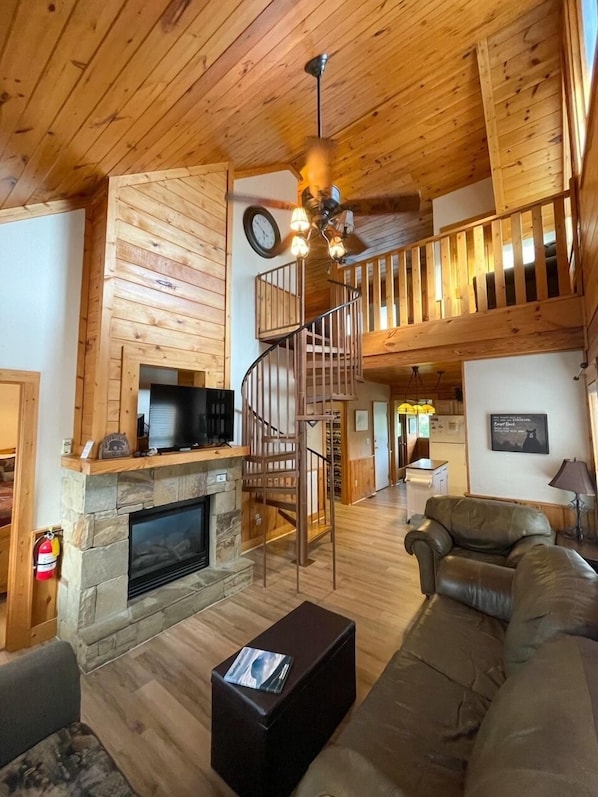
381	448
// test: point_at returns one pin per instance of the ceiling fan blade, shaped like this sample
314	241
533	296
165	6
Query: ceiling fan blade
284	244
317	171
249	199
354	244
377	206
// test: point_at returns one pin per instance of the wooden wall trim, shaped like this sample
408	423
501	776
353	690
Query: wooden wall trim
229	282
552	325
494	148
133	357
43	209
166	174
20	571
560	516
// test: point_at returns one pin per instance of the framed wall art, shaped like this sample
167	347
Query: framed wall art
521	433
361	420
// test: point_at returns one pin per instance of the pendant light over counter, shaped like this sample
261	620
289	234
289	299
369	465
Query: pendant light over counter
417	407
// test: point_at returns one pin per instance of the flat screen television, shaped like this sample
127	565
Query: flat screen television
182	417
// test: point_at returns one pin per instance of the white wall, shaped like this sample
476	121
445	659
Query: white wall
465	203
539	383
40	271
246	264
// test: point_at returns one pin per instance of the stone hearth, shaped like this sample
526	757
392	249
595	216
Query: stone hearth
94	614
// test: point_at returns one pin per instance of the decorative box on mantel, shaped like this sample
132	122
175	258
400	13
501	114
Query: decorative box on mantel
94	612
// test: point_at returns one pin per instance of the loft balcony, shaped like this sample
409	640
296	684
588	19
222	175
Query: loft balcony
500	285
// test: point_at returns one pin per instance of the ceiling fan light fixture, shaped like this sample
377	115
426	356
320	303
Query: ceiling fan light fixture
299	246
299	221
336	248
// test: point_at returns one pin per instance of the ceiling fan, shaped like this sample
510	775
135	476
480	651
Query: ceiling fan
322	211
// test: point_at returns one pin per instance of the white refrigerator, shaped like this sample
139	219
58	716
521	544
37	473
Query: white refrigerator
447	441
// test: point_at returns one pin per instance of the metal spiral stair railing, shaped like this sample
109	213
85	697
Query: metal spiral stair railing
290	385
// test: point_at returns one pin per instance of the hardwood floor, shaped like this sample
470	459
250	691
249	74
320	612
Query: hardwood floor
151	707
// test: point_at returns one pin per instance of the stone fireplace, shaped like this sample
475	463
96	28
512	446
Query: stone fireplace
95	613
166	543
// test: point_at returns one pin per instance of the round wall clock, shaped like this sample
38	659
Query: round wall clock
262	231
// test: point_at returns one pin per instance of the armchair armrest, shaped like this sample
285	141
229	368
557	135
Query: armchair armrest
429	542
433	534
481	585
524	545
39	694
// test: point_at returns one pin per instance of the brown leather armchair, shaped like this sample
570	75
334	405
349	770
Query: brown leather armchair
492	531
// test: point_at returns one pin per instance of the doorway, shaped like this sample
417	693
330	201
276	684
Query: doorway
16	601
381	447
10	395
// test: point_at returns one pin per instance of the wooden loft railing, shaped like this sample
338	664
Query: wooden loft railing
279	305
526	255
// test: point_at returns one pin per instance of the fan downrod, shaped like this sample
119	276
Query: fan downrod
316	66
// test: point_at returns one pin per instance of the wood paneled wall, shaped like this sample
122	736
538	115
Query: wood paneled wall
362	479
156	288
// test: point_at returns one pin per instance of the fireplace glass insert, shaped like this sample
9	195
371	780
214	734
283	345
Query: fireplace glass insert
166	543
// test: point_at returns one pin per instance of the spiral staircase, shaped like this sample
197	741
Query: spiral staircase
293	385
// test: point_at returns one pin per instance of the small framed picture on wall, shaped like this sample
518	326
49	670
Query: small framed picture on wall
361	420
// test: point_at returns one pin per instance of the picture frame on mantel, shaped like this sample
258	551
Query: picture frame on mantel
361	420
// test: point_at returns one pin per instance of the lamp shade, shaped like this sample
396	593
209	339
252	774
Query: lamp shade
336	248
299	246
299	220
574	475
407	408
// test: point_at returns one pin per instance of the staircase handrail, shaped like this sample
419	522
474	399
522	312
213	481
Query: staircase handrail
303	327
276	429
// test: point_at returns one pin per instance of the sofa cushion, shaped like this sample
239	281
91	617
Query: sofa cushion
554	591
70	761
418	723
483	525
539	737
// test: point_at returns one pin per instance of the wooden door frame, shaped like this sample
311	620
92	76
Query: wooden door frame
20	570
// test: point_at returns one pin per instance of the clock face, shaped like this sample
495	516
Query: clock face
262	231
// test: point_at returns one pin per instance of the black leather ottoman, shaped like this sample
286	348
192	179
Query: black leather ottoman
263	743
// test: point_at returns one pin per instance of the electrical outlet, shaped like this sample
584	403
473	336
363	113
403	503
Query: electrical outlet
258	520
221	477
67	446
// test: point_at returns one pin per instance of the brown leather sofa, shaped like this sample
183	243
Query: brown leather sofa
498	532
493	692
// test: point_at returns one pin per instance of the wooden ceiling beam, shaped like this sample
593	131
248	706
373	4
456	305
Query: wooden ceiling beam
496	167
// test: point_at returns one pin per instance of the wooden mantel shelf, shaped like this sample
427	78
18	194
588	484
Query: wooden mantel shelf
92	467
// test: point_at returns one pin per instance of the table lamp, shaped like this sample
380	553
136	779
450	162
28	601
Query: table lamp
574	475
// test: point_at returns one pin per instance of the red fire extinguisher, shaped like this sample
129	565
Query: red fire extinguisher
45	556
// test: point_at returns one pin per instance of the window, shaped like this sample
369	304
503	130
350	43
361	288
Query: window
423	426
581	30
589	26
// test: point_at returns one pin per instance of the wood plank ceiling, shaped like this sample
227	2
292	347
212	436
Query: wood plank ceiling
418	94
